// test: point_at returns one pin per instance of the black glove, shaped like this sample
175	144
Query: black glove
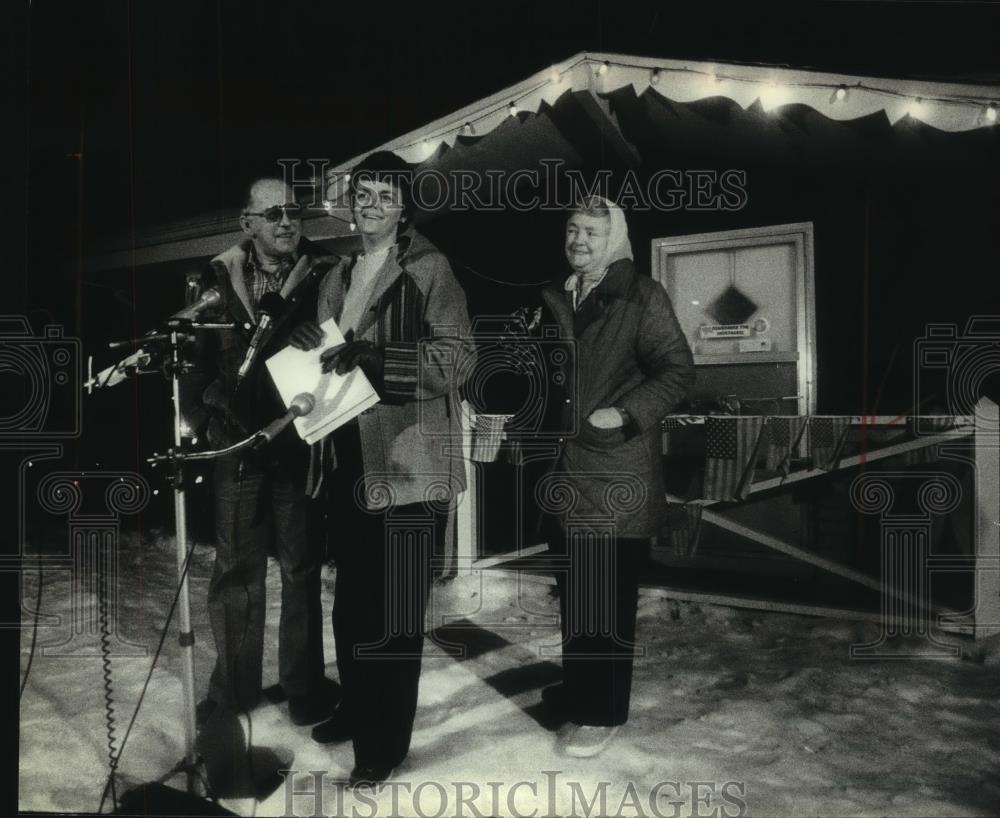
345	357
307	335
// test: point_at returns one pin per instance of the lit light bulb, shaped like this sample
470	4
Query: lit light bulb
156	492
468	128
353	227
512	109
654	77
991	113
840	93
916	108
199	479
555	77
603	69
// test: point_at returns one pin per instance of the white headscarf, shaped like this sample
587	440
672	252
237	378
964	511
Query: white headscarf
618	247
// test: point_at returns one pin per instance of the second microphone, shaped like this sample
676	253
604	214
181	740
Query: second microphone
272	305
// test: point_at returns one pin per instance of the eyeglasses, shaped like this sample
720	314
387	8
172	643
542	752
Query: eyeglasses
274	214
384	198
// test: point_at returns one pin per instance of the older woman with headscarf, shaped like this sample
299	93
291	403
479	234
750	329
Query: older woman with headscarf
606	494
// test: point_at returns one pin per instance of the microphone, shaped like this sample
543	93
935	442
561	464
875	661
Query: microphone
116	373
271	306
302	404
212	297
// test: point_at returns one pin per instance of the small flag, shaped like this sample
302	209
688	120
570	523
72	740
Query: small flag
827	436
783	434
486	436
730	456
685	528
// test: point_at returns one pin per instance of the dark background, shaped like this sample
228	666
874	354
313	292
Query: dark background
125	114
142	112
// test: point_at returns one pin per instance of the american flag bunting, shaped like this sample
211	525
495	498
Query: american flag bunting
826	440
731	446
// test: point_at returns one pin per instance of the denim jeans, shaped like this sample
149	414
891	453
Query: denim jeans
260	509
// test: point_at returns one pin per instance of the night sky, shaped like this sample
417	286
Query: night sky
140	112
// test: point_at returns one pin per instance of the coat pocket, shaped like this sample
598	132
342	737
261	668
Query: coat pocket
596	439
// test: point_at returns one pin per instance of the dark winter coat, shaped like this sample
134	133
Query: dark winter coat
631	354
232	412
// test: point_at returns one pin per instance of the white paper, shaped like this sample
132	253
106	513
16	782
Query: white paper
339	398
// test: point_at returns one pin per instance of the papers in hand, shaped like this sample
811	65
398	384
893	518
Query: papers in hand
339	398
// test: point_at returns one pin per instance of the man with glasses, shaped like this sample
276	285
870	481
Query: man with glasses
260	502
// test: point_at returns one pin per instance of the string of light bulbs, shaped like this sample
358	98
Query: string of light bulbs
839	93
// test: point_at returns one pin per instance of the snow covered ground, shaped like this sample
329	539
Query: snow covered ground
733	712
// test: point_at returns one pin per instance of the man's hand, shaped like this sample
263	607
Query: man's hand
307	335
606	419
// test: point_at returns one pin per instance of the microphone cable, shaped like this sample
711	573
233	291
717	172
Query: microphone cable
103	580
109	784
37	612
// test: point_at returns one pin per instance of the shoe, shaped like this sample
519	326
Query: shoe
554	697
369	778
310	709
337	728
588	740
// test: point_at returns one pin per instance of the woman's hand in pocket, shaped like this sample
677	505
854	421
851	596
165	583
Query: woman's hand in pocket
606	419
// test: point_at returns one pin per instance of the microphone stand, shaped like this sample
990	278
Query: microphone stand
176	328
186	636
176	457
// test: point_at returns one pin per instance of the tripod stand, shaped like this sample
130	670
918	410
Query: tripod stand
176	457
142	362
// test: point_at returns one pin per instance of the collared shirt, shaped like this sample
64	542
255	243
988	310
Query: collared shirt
363	277
581	285
260	281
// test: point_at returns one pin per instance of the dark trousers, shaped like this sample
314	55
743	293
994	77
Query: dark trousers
598	598
383	584
257	507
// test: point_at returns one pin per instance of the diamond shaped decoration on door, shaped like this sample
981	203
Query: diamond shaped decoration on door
732	307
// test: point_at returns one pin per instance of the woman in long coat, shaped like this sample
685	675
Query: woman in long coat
633	366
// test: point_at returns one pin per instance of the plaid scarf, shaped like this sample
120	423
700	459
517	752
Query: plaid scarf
260	281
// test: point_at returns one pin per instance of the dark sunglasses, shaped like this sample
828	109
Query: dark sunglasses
273	214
